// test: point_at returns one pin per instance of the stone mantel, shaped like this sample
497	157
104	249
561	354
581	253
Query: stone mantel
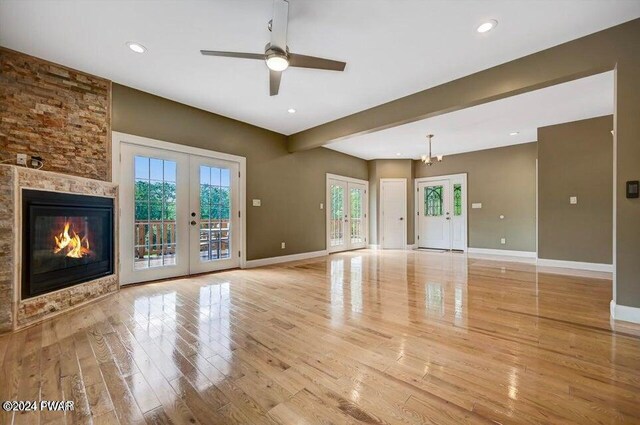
16	313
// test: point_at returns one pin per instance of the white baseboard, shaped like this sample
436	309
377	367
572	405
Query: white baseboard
284	259
595	267
374	247
505	252
625	313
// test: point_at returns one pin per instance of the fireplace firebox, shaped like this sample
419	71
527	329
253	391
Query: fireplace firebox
66	240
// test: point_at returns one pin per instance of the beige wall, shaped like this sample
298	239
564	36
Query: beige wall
291	186
576	159
384	169
504	181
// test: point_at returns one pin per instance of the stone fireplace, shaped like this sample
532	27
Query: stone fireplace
58	229
58	243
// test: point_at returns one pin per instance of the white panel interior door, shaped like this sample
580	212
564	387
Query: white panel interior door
214	215
435	214
393	205
154	200
338	215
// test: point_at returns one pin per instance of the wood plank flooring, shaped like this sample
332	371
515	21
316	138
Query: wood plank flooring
361	337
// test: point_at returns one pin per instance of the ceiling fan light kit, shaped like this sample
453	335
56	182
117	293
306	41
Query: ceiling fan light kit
276	55
277	60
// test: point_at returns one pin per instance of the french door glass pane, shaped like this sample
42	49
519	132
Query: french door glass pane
155	212
336	229
357	215
215	213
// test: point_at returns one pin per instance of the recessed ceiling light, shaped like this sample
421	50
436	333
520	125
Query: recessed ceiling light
514	133
136	47
291	111
488	26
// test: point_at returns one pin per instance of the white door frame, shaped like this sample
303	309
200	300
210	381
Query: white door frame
118	139
327	198
417	203
381	205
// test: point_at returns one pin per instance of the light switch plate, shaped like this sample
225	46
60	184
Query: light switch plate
573	200
321	206
503	241
476	205
257	202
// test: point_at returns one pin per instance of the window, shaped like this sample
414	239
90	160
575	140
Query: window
357	234
215	218
457	199
155	212
433	201
336	230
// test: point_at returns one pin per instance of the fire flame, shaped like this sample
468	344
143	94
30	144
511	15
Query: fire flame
71	245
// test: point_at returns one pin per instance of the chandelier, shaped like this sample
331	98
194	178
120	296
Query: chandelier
428	159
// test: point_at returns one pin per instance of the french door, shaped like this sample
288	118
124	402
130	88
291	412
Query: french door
441	212
346	214
179	214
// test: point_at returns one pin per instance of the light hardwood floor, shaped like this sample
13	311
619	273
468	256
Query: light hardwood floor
360	337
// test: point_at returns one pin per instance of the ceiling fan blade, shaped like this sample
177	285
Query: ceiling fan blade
279	24
239	55
274	82
302	61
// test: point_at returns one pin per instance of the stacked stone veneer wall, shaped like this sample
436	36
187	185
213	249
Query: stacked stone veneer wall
57	113
7	253
15	313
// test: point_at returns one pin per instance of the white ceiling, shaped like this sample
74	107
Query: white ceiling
392	48
488	125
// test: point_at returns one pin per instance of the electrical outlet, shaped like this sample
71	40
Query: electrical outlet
21	159
257	202
503	241
573	200
283	245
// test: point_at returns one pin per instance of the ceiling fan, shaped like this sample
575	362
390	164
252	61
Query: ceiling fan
277	55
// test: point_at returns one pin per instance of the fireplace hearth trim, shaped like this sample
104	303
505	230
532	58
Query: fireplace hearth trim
16	313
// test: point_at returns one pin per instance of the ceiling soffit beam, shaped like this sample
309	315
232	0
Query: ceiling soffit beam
589	55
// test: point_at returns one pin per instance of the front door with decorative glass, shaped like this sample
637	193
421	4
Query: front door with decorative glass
441	212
